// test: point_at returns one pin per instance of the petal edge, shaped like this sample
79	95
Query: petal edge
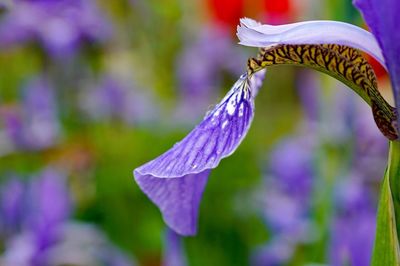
252	33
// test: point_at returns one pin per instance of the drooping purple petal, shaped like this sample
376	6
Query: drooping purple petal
252	33
177	198
382	17
175	180
215	138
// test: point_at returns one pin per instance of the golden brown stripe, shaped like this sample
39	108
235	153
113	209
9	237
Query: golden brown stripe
342	62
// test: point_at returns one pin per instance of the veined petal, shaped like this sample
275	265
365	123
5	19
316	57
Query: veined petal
177	198
175	180
252	33
216	137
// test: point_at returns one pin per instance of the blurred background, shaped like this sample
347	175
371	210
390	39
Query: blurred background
90	90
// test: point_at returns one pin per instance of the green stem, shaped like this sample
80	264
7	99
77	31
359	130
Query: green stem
386	248
394	180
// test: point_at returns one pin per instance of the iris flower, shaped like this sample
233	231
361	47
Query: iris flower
383	44
325	46
175	180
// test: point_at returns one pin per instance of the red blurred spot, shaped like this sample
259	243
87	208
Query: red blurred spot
277	6
278	11
227	12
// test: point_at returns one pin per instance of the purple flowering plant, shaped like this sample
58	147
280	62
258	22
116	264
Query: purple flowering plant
37	229
289	199
175	180
59	27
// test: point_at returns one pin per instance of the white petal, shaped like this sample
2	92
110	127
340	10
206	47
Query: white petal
252	33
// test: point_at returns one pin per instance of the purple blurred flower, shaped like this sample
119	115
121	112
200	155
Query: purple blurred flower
84	244
36	126
113	99
173	253
37	209
106	100
48	206
371	147
289	185
276	253
288	216
308	87
286	200
199	70
292	163
12	195
58	26
175	180
78	244
353	229
40	113
5	4
45	235
49	203
19	250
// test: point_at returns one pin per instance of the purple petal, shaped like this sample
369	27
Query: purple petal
216	137
251	33
177	198
175	180
383	19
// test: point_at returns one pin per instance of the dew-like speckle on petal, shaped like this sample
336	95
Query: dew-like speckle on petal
171	179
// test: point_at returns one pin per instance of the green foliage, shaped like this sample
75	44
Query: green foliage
386	250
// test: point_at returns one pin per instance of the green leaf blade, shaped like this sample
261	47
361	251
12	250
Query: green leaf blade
386	248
